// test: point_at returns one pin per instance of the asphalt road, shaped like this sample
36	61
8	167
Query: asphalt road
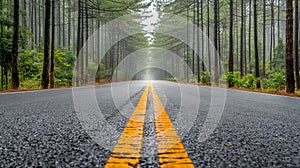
46	128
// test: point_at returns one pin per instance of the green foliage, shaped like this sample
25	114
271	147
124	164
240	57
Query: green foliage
248	81
279	56
171	79
64	65
205	77
31	65
276	80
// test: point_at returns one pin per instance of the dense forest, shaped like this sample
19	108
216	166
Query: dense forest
256	41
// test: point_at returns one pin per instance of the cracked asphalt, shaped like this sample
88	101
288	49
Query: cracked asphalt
42	129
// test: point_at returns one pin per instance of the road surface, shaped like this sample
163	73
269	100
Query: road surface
44	128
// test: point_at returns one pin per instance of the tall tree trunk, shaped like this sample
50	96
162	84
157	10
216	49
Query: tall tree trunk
249	37
290	81
59	24
24	19
2	55
52	46
198	41
39	22
242	41
194	40
256	44
82	76
63	25
297	44
272	35
69	24
230	64
45	75
264	39
278	19
216	66
87	44
202	37
187	46
208	35
15	73
36	24
78	42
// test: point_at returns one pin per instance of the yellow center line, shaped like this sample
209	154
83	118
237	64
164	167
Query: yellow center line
171	152
127	152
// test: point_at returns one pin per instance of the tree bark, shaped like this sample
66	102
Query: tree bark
297	44
45	75
290	81
272	35
230	64
87	44
256	45
198	42
249	37
52	46
208	35
242	41
63	25
15	47
264	38
216	59
69	24
78	42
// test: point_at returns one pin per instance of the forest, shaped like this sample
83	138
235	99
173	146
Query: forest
255	43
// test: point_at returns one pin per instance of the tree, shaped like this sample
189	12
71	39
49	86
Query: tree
78	43
264	38
15	48
230	82
216	67
256	44
297	45
242	40
249	36
45	75
52	46
290	80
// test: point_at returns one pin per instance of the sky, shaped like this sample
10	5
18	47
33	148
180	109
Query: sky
151	21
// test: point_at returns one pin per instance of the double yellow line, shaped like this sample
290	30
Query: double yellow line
171	152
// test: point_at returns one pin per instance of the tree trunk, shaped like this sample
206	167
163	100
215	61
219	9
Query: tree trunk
202	37
78	43
230	64
63	25
82	76
256	45
297	44
290	81
242	41
45	75
208	35
59	24
87	44
216	66
69	24
52	46
198	41
187	46
264	39
272	35
194	40
278	19
15	74
249	37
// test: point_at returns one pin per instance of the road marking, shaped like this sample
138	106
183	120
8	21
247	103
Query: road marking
127	152
171	151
